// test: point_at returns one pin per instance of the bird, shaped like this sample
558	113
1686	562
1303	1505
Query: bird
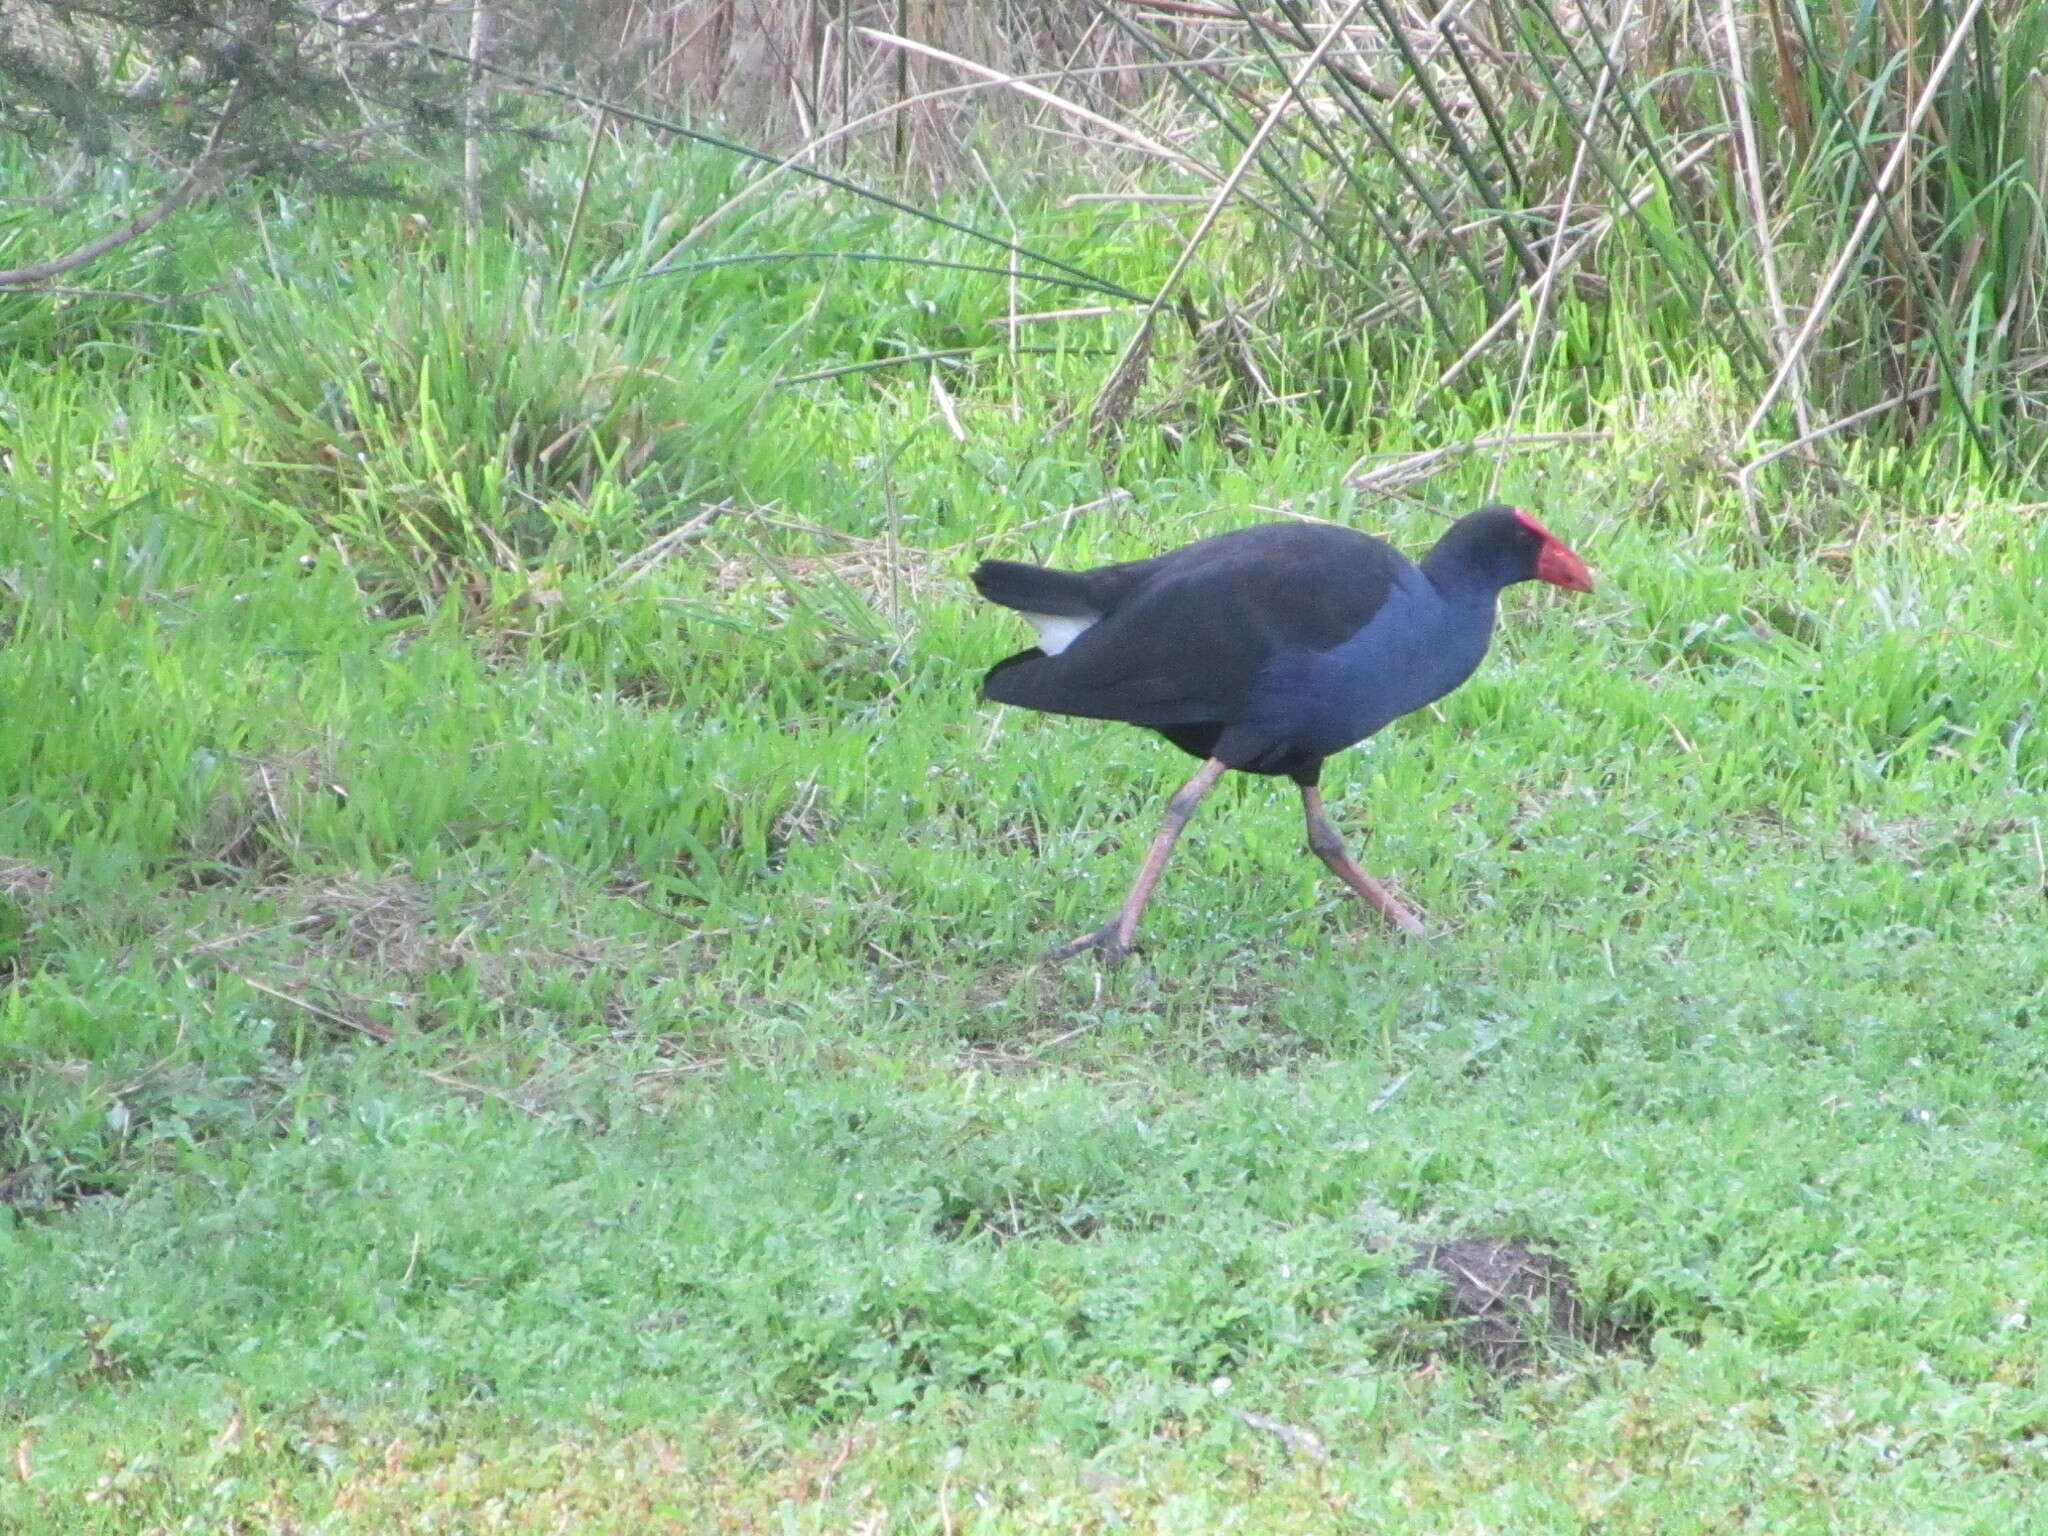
1265	651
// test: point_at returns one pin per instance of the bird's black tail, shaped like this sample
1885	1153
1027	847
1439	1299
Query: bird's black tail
1004	684
1036	589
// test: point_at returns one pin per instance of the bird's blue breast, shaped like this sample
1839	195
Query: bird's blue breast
1416	649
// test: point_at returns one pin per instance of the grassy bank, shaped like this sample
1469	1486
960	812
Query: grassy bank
519	940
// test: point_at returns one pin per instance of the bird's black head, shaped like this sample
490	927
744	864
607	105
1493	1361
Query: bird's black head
1498	546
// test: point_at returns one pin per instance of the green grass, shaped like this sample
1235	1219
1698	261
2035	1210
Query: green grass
496	1032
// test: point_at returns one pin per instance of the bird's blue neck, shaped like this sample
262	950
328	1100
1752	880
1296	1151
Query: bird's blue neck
1461	586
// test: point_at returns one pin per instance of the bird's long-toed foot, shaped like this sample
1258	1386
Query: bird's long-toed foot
1402	918
1113	940
1324	842
1105	941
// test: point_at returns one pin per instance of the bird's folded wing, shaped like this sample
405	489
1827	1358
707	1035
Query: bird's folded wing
1191	646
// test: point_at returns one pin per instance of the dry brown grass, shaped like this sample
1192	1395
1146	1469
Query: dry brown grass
252	824
383	935
1528	139
781	72
361	955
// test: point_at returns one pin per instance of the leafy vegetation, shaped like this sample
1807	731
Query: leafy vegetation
518	998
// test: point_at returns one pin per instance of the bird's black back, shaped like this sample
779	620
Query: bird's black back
1181	639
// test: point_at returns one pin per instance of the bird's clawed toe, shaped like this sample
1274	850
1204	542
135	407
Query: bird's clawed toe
1393	913
1403	920
1104	941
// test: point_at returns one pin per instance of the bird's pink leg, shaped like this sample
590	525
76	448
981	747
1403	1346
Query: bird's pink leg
1324	842
1114	938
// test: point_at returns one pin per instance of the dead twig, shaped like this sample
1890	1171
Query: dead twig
1299	1442
1565	263
638	564
478	1090
1065	519
1799	445
341	1021
1412	467
1070	108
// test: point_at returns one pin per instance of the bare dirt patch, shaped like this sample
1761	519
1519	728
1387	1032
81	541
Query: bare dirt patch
19	879
386	930
385	918
1018	1018
1507	1304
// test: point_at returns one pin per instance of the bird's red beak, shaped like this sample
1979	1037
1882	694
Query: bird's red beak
1556	562
1558	565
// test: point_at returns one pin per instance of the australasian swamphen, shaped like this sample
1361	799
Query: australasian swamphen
1265	650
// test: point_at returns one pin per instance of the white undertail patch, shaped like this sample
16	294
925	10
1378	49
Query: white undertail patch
1057	631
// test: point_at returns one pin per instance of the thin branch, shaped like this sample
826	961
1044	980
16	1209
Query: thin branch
1569	260
472	118
1558	255
1064	518
638	565
748	258
627	114
478	1090
597	134
1022	85
197	180
947	354
824	140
